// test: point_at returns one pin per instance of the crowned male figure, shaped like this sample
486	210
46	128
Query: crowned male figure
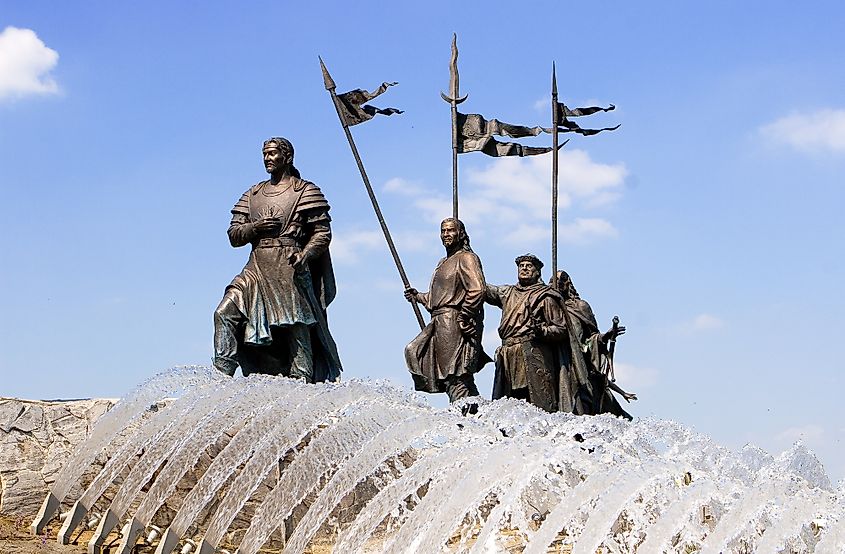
532	325
445	356
272	318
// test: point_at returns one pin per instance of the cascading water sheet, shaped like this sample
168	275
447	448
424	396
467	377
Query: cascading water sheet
510	475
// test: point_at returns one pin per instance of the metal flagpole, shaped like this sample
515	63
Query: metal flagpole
454	99
330	86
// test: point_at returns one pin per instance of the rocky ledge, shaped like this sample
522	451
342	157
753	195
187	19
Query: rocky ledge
36	437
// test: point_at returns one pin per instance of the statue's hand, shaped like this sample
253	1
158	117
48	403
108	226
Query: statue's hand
411	294
611	335
466	324
628	396
269	227
298	261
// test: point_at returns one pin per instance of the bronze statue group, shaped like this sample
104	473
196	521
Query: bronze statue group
272	318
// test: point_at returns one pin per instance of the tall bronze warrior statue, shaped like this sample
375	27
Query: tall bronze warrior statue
590	367
447	353
272	318
531	329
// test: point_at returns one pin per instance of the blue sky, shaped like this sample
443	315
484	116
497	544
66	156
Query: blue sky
711	222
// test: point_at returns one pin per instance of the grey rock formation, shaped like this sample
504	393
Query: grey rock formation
36	438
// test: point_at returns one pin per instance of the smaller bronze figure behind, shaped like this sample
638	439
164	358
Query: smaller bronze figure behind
532	325
592	357
447	353
272	318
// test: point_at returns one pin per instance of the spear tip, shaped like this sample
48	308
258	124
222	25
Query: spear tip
554	80
327	79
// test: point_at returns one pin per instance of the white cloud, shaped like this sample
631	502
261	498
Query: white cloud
514	194
578	231
518	189
815	132
347	247
25	64
706	322
811	435
403	186
633	379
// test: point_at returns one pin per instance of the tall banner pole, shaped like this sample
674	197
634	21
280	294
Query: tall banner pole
454	99
330	86
554	174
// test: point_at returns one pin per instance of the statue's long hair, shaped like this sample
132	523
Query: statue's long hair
565	286
463	231
286	147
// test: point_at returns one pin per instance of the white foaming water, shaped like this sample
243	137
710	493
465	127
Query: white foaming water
164	385
511	474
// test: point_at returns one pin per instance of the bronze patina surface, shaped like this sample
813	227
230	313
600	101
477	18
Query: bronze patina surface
272	318
447	353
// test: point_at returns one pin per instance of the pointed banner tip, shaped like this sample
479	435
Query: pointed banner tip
327	79
554	80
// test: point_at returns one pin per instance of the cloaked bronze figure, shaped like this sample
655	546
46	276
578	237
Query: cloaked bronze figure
531	329
272	318
585	387
447	353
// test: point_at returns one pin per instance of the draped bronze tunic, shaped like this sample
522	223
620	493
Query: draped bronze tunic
441	350
269	292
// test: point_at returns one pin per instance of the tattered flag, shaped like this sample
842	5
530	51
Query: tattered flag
474	125
571	127
564	112
493	147
475	135
354	110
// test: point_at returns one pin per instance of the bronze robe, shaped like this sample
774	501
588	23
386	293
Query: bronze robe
268	291
526	362
441	350
592	351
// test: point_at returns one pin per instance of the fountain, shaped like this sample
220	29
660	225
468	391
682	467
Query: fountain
364	466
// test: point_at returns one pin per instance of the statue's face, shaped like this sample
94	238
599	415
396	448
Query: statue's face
274	159
527	272
449	233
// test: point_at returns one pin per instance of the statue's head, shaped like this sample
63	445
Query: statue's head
565	286
454	235
528	268
278	155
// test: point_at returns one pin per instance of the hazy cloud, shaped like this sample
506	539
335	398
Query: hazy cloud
25	64
816	132
403	186
705	322
633	378
516	192
809	434
347	247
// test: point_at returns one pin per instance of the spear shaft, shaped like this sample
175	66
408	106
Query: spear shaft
454	159
554	172
330	86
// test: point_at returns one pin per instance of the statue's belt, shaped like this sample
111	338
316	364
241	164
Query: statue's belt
272	242
444	310
510	341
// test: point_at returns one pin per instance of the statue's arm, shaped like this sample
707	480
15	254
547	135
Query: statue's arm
241	231
553	325
493	294
472	278
319	236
